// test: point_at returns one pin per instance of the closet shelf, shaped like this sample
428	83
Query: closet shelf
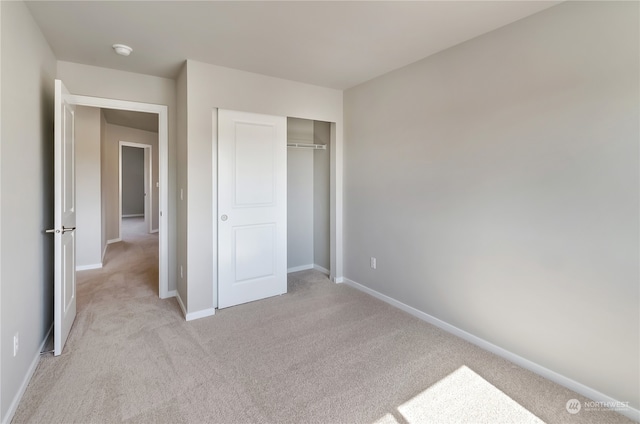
307	146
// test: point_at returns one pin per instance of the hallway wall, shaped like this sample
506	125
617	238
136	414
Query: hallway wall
88	187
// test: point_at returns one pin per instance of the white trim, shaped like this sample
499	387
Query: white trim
104	251
181	304
560	379
135	215
335	201
337	280
116	240
163	163
306	267
88	267
154	231
171	293
25	381
214	198
299	268
193	315
201	314
321	269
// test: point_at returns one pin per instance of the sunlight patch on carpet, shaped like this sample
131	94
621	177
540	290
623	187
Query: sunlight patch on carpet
462	397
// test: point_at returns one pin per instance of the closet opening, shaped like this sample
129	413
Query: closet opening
308	195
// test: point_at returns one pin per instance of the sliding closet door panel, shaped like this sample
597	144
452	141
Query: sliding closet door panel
252	207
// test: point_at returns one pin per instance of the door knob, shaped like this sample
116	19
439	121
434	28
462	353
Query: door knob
64	230
224	217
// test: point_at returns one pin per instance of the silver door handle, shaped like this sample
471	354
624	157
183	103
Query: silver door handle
64	230
224	217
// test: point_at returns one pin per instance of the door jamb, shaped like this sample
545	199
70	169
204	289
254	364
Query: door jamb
163	173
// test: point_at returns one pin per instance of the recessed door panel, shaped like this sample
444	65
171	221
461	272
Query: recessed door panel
255	252
69	277
255	176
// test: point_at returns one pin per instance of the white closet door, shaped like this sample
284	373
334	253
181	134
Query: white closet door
252	207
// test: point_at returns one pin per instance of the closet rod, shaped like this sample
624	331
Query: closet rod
307	146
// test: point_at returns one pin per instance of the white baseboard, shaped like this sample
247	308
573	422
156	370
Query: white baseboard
321	269
201	314
104	251
155	230
133	215
25	382
115	240
567	382
194	315
338	280
184	310
87	267
169	294
307	267
299	268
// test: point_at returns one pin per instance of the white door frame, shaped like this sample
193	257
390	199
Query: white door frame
163	173
148	183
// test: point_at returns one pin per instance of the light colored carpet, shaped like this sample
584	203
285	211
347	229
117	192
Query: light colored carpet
323	353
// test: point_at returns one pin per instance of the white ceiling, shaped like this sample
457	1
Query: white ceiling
328	43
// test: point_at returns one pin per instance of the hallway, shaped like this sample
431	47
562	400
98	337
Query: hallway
131	265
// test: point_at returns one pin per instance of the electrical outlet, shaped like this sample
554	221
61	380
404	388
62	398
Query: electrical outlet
374	263
15	344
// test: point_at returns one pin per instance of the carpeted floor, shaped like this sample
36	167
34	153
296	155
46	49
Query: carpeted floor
323	353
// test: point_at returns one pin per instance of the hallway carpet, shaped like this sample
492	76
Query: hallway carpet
323	353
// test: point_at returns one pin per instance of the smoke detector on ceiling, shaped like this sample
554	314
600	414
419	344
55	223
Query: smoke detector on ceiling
122	50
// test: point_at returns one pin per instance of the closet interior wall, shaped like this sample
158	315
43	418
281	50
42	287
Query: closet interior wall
308	196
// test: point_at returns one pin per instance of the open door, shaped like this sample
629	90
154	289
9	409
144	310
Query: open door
252	207
64	219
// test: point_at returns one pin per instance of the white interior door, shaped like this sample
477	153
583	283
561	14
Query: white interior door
64	218
252	207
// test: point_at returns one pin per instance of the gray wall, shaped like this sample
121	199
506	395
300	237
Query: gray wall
299	208
88	183
103	185
209	87
132	181
299	195
497	184
26	175
181	185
